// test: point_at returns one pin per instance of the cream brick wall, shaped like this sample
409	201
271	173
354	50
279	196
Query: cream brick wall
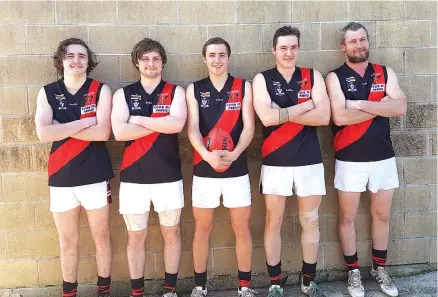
403	36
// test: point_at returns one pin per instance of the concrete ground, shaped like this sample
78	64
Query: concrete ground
424	285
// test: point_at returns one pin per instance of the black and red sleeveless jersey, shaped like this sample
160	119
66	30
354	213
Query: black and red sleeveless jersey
370	140
75	162
213	106
153	158
290	144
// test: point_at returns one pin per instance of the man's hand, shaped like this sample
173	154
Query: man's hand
215	160
135	120
229	156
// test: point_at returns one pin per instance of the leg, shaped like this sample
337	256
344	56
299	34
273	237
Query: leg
203	225
275	206
348	207
380	212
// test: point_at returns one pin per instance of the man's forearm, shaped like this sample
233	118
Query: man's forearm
58	132
168	124
94	133
351	117
387	108
314	117
126	132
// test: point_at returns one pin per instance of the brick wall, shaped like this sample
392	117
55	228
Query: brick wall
403	35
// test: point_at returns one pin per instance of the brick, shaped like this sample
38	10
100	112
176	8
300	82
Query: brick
329	203
420	10
69	12
364	252
17	71
387	33
45	39
433	251
120	269
433	33
248	65
396	123
130	74
222	234
26	187
43	216
433	143
1	189
250	39
258	260
363	223
416	88
407	251
107	39
328	228
290	230
177	39
192	67
134	12
376	10
19	129
44	244
153	265
434	87
86	244
87	270
186	265
433	197
185	152
409	143
154	240
205	12
187	232
319	11
420	224
420	60
119	239
330	34
108	69
397	225
17	217
309	39
116	219
324	61
224	261
400	169
18	159
32	94
332	254
41	156
421	116
3	246
420	171
258	223
20	273
49	272
263	11
393	57
291	258
13	40
23	12
413	198
13	100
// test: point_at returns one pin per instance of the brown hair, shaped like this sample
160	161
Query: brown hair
146	46
61	51
352	26
286	31
216	40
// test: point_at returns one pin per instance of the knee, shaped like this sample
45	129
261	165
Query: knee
202	230
136	239
241	229
310	226
380	215
346	219
172	235
102	239
69	243
273	223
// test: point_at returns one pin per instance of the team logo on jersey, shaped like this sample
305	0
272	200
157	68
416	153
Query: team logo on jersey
162	97
88	98
304	94
233	106
62	101
88	109
377	87
302	83
233	95
205	99
278	89
161	108
135	102
350	84
376	77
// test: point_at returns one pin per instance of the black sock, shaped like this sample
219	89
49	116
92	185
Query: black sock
170	282
352	262
309	272
103	285
244	279
275	274
379	258
69	289
201	279
137	286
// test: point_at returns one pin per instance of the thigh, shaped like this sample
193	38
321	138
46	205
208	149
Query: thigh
236	191
351	176
383	175
93	196
206	192
134	198
98	220
381	201
276	180
67	223
136	222
170	218
309	180
275	205
167	196
240	216
62	199
309	203
203	218
348	203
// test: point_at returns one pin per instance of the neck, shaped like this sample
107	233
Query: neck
150	83
286	72
358	67
74	82
219	81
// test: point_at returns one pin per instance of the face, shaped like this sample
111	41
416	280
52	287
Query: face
217	59
150	65
356	46
286	51
75	61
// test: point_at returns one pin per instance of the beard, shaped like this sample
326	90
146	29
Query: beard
360	59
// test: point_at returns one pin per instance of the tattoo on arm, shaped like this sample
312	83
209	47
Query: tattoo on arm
283	116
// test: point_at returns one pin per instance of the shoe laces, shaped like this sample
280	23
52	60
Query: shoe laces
354	279
247	293
316	291
276	292
197	293
383	277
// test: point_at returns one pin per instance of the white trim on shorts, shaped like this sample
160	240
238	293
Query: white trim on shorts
355	176
206	192
92	196
137	198
306	180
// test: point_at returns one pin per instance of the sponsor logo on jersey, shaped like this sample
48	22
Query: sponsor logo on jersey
135	102
304	94
377	87
62	101
88	109
233	106
161	108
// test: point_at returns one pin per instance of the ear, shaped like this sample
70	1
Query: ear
204	60
342	46
273	50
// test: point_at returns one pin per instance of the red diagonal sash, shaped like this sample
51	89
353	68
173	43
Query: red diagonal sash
352	133
229	117
73	147
141	146
288	130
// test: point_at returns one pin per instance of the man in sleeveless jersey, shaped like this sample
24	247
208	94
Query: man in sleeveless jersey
290	101
363	96
220	101
74	113
148	115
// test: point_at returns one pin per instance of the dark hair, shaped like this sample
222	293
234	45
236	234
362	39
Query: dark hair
147	45
286	31
216	40
353	26
61	51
